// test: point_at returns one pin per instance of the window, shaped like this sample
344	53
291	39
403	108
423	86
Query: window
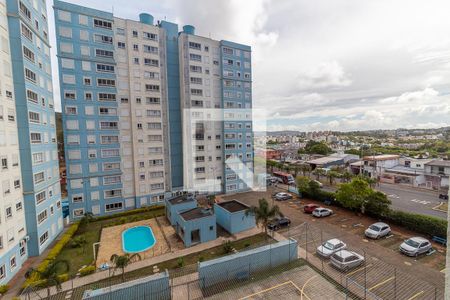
2	269
150	36
151	62
24	10
17	183
195	69
227	51
43	238
111	166
152	100
70	95
152	88
109	139
108	125
26	32
105	68
120	31
106	97
8	212
34	117
111	180
15	160
77	198
42	216
154	126
30	75
38	158
105	39
78	212
157	186
195	57
28	54
102	24
71	110
135	33
150	49
195	46
103	53
196	92
196	80
4	163
113	206
121	45
36	138
39	177
153	113
110	153
106	82
156	162
87	81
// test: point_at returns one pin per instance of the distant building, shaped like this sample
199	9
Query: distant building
437	173
333	160
374	165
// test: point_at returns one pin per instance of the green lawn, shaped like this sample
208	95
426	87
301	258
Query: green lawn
78	257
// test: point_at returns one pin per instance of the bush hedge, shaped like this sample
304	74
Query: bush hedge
129	212
4	288
427	225
53	253
87	270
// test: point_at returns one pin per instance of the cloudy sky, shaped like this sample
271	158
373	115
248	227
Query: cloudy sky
326	64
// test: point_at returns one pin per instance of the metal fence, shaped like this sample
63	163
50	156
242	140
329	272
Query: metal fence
375	279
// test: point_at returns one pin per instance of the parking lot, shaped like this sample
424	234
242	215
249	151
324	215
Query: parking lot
387	273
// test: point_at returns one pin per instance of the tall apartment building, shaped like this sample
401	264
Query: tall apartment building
32	82
12	214
125	86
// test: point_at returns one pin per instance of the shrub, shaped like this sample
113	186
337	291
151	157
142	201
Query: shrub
180	262
131	212
227	247
64	277
78	242
427	225
87	270
201	258
4	288
246	245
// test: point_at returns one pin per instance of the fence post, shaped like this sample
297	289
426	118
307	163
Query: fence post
395	283
306	242
321	243
365	275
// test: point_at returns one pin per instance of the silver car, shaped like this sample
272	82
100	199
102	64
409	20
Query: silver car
322	212
345	260
378	230
330	247
415	246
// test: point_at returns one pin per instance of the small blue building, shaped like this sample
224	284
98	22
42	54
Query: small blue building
197	225
179	204
231	216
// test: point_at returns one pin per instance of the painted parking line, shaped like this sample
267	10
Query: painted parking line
381	283
416	295
302	293
360	269
269	289
421	201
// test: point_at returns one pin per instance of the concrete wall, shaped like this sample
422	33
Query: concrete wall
233	222
242	265
206	225
151	287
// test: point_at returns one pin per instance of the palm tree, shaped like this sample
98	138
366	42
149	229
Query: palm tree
319	172
87	218
50	274
370	181
305	169
122	261
264	213
332	175
346	176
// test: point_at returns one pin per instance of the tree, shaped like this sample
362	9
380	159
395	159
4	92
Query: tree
303	184
314	187
50	274
271	163
353	195
377	204
346	176
122	261
331	175
264	213
305	169
88	217
319	172
313	147
370	181
295	169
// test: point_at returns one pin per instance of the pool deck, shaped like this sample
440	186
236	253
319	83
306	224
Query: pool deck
111	241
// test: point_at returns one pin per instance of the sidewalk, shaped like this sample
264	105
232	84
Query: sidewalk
80	281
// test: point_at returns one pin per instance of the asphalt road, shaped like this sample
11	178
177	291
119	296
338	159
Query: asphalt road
409	199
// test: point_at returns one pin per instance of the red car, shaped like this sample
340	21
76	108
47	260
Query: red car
309	208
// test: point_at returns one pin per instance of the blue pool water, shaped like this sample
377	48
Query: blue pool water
137	239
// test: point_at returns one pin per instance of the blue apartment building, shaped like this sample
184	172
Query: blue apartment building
30	51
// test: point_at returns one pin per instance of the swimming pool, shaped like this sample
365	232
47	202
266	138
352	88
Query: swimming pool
137	239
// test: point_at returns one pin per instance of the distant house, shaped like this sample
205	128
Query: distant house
231	216
375	165
437	172
196	225
177	205
409	171
332	160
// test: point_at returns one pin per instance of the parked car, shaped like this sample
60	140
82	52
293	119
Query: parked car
322	212
309	208
377	230
330	247
415	246
282	196
318	182
292	182
443	196
278	223
345	260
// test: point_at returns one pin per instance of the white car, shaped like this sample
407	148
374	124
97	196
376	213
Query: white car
322	212
330	247
345	260
282	196
377	230
415	246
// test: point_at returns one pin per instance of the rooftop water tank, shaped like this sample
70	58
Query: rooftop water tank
146	18
189	29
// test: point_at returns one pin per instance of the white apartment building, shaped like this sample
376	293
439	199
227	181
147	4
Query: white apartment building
142	110
12	213
201	105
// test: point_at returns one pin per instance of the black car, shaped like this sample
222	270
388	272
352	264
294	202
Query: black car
278	223
443	196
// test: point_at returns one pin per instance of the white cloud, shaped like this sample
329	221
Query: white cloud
324	75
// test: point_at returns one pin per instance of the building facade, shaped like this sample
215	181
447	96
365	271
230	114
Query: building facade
31	70
13	250
125	88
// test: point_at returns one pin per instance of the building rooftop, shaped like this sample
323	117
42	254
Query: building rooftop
233	206
405	170
439	163
381	157
196	213
181	199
